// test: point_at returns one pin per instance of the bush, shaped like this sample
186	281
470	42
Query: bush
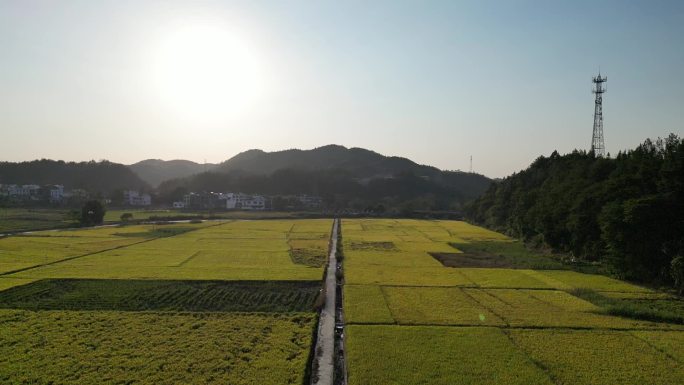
92	213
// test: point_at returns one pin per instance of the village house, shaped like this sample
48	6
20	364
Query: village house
135	198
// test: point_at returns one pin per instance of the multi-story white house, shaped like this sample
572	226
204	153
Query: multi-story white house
56	193
241	201
310	201
135	198
27	190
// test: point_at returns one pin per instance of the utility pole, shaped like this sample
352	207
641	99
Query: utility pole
598	146
471	164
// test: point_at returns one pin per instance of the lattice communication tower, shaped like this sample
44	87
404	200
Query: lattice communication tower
598	146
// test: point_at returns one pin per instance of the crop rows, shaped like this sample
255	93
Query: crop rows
98	347
154	295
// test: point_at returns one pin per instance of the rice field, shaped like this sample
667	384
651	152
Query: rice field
229	302
384	354
234	302
97	347
415	319
237	250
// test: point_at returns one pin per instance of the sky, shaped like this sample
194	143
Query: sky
434	81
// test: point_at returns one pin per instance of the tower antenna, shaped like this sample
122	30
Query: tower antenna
471	164
598	146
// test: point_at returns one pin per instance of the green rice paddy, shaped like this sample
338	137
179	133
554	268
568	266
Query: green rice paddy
431	309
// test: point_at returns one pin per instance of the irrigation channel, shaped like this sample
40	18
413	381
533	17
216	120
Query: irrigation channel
329	363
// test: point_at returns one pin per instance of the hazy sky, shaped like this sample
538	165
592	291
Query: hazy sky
433	81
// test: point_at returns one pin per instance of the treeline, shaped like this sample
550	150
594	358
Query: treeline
402	193
101	177
627	211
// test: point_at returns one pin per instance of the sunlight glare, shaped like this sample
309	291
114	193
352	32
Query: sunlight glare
206	73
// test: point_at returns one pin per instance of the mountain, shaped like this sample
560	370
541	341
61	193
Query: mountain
155	171
359	162
344	177
103	176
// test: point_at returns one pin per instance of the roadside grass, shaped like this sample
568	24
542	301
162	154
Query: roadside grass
153	348
659	309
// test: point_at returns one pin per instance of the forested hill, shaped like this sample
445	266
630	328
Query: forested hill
103	176
627	211
358	162
345	177
361	165
155	171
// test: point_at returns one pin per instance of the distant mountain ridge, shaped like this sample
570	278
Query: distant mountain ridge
103	176
344	177
155	171
359	162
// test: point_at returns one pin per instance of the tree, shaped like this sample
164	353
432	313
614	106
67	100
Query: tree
626	212
125	217
677	272
92	213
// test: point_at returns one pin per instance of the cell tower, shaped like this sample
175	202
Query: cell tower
598	146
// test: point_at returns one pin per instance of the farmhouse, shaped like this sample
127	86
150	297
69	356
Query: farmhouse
23	192
134	198
57	193
245	202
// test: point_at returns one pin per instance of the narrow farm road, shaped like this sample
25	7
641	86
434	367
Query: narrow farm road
324	359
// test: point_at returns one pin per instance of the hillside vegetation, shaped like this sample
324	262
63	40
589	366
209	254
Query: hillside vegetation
155	171
345	177
627	211
102	177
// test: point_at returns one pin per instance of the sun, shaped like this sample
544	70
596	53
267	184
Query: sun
206	73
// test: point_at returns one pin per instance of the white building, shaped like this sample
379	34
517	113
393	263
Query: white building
310	201
241	201
179	205
134	198
56	193
26	190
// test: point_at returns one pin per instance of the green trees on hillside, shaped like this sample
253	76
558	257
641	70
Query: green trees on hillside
627	211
